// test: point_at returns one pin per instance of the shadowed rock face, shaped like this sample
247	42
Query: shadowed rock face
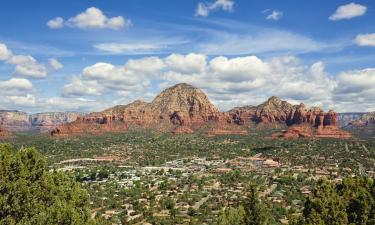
45	122
369	118
344	119
365	120
185	109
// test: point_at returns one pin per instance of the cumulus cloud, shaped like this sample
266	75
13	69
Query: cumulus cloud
355	90
55	64
251	80
229	82
102	78
25	66
15	87
91	18
32	70
5	53
204	9
56	23
348	11
15	92
191	63
275	15
365	40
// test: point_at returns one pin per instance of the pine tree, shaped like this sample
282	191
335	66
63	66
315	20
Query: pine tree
29	194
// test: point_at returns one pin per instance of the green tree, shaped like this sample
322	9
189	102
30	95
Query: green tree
29	194
251	212
351	201
232	216
255	211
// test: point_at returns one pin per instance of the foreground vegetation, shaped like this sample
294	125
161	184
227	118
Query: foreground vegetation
145	177
32	195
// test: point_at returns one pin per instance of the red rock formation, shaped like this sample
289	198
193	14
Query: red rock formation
4	133
276	111
14	120
325	126
331	131
179	109
296	131
185	109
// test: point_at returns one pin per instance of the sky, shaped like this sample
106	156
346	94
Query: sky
88	55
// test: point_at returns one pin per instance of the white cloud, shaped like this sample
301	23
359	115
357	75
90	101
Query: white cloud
61	104
55	64
99	71
240	69
261	41
365	40
121	48
15	87
228	81
355	90
5	53
203	9
275	15
79	87
191	63
25	66
24	101
32	70
91	18
56	23
348	11
101	78
117	22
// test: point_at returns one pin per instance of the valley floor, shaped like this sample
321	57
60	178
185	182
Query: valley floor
157	178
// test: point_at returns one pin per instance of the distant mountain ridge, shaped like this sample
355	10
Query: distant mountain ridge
186	109
346	118
13	120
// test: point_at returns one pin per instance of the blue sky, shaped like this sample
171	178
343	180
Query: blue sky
88	55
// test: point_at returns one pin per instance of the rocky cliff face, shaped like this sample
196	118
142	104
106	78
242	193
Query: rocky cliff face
302	122
179	109
184	104
185	109
14	120
363	127
346	118
368	118
21	121
278	112
47	121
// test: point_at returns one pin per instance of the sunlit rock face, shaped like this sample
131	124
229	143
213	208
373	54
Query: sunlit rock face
21	121
45	122
185	109
14	121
